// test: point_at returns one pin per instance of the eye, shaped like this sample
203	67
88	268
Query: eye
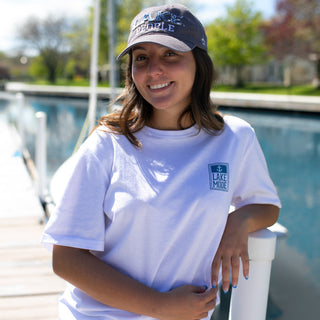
171	53
140	58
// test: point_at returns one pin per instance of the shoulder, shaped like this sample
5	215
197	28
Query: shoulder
237	125
99	139
238	130
97	146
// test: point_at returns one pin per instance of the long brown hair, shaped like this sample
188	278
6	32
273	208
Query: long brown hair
136	111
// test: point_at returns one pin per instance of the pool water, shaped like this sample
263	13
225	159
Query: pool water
291	144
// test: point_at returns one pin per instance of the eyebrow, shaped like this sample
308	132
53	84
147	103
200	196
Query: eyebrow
138	48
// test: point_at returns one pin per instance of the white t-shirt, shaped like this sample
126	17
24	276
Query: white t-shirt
158	213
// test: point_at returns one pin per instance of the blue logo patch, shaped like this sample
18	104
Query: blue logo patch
219	176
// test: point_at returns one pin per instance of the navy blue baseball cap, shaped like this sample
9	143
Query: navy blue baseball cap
170	25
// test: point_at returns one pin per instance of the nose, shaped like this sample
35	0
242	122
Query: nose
155	67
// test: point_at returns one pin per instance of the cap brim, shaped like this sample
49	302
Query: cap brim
161	39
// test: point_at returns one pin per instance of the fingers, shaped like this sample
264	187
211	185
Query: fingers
207	300
210	294
226	267
245	265
189	302
196	289
210	299
215	268
225	264
230	265
235	261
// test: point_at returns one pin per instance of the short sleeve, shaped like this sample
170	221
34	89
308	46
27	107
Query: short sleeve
253	184
79	219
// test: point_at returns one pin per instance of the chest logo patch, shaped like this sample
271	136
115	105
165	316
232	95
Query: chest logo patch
219	176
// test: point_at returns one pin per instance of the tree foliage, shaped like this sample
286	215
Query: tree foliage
236	39
78	39
295	31
47	37
126	11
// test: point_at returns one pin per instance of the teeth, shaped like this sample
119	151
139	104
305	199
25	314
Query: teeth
159	86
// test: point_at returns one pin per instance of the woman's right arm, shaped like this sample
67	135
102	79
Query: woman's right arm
111	287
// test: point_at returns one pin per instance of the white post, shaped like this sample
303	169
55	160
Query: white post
20	102
94	65
41	155
112	62
249	299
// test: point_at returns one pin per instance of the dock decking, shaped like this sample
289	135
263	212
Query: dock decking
28	287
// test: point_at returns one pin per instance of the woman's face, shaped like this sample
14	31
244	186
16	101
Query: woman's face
163	77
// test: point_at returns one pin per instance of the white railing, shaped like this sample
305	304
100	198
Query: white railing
41	155
40	147
249	299
20	103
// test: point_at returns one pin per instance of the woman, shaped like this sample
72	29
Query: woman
143	226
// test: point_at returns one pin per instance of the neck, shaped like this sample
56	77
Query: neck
166	121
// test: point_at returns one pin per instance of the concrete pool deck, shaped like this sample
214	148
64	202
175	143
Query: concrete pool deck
230	99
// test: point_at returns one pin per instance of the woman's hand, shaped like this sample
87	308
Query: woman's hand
187	302
233	247
234	242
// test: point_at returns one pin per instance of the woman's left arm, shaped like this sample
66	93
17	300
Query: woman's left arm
234	242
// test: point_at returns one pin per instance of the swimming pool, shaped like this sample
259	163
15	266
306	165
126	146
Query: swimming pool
291	143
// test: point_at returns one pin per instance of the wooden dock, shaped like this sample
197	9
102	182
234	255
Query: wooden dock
28	287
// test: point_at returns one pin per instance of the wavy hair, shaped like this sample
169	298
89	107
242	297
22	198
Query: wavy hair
137	112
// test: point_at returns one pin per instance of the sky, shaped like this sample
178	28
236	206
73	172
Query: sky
15	12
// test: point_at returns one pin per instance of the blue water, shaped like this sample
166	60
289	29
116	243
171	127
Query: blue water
291	144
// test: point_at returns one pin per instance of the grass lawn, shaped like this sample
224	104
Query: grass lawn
272	89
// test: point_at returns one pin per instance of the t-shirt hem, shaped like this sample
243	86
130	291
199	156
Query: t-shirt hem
48	241
269	201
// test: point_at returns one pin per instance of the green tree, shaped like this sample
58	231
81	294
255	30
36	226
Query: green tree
37	68
78	39
4	70
47	38
236	40
103	31
126	11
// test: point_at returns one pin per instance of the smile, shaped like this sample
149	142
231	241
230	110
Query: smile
160	86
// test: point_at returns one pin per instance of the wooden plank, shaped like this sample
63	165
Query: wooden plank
25	254
20	229
28	287
18	195
43	307
25	265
